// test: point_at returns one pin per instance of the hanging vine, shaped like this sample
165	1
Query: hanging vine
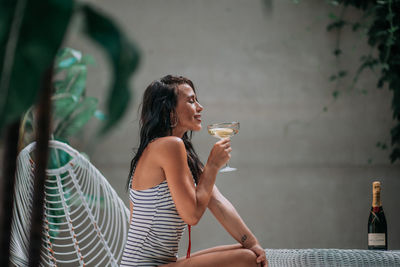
381	22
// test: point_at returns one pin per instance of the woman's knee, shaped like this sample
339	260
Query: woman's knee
247	256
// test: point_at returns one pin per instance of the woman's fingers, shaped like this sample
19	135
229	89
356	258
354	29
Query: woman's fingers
219	155
229	149
224	141
261	256
262	260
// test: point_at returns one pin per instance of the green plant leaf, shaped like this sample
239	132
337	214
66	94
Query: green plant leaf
342	73
335	94
58	158
338	24
99	115
58	86
380	24
381	82
77	79
74	82
37	29
7	12
63	105
395	155
337	52
83	113
331	15
356	26
67	57
390	16
124	57
395	132
66	63
88	60
69	93
62	54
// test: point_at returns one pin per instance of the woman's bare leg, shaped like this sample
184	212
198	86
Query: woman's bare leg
231	255
214	249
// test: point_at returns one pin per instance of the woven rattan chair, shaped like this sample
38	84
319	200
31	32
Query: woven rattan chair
85	222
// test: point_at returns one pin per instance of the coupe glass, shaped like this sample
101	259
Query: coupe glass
224	130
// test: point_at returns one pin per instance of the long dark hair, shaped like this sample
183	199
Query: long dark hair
159	102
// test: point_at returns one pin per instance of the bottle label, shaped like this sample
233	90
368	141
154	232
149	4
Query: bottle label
376	239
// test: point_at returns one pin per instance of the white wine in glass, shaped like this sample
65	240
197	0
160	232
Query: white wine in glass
224	130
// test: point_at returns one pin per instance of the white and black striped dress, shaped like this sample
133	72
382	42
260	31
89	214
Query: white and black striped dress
155	228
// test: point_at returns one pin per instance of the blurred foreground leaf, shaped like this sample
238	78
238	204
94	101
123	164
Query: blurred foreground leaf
124	57
31	33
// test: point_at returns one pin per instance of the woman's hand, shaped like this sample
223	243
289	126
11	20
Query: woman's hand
219	154
260	252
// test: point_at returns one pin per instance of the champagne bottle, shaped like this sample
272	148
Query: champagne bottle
377	229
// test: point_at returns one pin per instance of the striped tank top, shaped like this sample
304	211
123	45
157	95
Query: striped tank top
155	228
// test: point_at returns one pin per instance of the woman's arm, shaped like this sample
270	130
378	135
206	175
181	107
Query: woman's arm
190	201
226	214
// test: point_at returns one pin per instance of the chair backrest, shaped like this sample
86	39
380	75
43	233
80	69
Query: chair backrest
85	222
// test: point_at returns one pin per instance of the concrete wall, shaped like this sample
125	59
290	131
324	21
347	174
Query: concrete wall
304	175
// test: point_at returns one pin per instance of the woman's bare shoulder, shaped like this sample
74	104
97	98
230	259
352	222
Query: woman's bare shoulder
168	142
168	146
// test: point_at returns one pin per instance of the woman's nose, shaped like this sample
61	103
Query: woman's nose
199	107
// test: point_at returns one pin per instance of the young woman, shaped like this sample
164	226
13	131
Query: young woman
170	188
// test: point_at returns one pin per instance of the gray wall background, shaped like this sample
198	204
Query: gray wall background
304	175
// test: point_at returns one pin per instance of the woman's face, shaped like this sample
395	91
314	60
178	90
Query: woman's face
187	110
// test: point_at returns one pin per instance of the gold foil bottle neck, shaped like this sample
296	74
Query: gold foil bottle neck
376	186
376	194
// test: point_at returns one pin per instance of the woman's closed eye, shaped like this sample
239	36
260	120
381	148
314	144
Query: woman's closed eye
193	100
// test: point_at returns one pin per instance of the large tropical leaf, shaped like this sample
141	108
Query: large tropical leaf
29	41
7	10
124	57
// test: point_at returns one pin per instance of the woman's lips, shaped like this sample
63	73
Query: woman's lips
197	117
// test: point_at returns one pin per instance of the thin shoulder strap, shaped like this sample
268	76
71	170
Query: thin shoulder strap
190	243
